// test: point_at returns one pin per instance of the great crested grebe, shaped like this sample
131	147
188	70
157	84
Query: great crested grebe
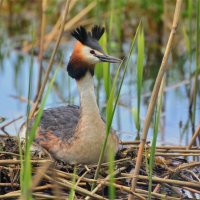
73	134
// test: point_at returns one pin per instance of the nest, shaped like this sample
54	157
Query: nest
174	176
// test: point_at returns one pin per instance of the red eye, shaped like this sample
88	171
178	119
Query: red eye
92	52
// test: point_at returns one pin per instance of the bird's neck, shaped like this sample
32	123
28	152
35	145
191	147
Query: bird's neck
89	107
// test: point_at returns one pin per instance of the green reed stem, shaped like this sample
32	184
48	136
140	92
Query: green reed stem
155	134
25	174
140	66
110	110
30	137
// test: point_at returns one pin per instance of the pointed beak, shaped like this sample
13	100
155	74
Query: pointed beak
107	58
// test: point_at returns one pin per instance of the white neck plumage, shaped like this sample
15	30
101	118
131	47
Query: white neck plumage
89	107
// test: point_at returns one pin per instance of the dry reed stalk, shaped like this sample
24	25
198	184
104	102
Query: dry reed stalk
41	46
54	30
34	109
43	187
154	96
21	98
56	190
196	133
1	2
157	188
86	22
115	162
193	174
157	196
9	153
168	150
10	196
178	151
68	185
46	196
106	179
9	185
81	177
137	142
2	128
122	188
70	176
70	23
177	154
187	165
140	192
170	181
192	190
174	147
11	162
39	174
174	189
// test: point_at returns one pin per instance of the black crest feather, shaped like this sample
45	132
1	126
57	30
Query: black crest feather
84	37
97	32
80	34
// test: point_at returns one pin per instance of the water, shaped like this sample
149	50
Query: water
15	66
14	74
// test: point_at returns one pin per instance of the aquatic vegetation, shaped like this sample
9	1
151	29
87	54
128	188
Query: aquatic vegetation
30	82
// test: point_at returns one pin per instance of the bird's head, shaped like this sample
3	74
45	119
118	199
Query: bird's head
87	52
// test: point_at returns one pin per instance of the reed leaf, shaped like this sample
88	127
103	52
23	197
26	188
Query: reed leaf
72	191
111	179
155	134
140	66
110	109
25	173
106	69
31	135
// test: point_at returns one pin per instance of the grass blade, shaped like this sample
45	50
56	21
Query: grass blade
111	179
155	133
25	173
31	135
72	191
140	66
110	110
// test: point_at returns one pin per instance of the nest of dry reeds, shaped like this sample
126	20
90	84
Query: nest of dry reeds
174	177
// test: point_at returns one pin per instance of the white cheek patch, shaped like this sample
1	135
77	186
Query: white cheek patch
88	56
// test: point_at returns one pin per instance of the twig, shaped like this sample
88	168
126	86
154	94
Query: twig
10	162
157	188
70	23
106	179
9	185
22	99
196	133
41	49
43	187
170	181
39	174
178	154
154	96
2	128
192	190
187	165
141	192
78	189
9	153
51	60
50	36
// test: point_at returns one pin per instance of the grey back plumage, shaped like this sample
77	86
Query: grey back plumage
62	121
